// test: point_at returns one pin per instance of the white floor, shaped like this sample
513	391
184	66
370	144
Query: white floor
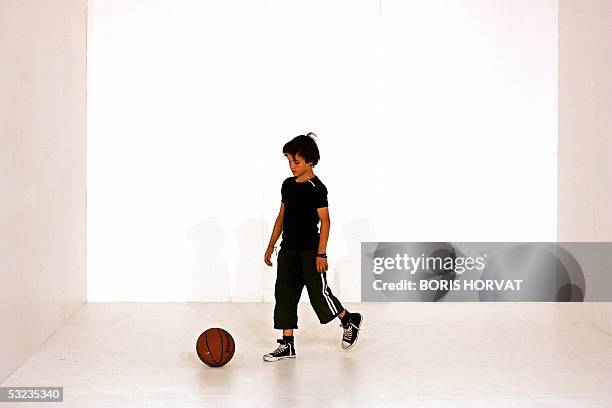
408	354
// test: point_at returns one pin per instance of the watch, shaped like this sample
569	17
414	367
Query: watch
322	255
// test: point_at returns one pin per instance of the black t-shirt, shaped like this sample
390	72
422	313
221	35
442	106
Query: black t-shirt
301	219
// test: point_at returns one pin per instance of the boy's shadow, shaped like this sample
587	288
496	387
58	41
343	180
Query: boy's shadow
209	276
346	278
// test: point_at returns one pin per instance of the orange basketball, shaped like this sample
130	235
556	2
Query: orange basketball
215	347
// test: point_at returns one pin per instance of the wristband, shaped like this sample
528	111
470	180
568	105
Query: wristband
322	255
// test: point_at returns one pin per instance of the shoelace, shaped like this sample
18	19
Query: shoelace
348	331
280	348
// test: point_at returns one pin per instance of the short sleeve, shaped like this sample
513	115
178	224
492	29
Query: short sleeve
321	200
284	192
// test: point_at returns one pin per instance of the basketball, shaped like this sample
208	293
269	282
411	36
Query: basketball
215	347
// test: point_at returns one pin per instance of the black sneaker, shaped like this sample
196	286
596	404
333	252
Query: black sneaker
351	330
285	350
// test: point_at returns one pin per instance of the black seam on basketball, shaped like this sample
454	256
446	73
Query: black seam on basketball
222	348
208	348
232	346
198	350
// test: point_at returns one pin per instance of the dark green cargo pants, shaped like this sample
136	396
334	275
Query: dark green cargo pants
297	268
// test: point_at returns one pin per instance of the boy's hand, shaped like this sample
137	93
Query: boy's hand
267	256
321	265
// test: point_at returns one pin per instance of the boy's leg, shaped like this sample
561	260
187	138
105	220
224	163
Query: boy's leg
325	304
323	301
287	290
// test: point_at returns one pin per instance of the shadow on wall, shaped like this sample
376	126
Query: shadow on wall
211	278
210	274
252	275
346	279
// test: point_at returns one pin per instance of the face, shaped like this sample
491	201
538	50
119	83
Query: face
298	165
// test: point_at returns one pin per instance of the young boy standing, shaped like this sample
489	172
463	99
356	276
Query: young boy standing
302	260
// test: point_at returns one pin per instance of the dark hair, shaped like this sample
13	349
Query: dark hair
305	146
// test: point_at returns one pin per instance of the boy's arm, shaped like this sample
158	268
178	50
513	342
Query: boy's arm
278	226
324	235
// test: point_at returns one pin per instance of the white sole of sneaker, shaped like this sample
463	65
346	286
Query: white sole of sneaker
356	336
270	359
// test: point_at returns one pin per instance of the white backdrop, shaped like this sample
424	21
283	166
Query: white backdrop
437	121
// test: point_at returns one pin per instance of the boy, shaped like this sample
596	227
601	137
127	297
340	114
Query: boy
302	259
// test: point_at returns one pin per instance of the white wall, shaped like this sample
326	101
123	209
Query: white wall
437	122
585	130
42	172
42	144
